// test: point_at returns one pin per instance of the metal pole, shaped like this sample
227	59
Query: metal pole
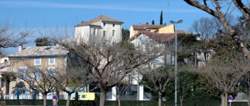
176	73
176	63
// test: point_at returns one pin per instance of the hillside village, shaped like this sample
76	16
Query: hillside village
100	30
154	63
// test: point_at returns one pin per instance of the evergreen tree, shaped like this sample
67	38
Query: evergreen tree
44	41
153	22
161	18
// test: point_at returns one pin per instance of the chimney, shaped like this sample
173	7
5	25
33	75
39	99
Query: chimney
19	48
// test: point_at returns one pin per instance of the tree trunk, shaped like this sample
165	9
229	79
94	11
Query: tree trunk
159	99
44	99
76	96
118	99
7	87
68	99
248	98
181	100
58	94
102	97
224	99
118	95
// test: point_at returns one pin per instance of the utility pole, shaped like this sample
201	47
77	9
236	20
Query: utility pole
176	63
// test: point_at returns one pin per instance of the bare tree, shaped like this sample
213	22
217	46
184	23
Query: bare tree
122	88
109	64
157	80
206	27
11	39
72	78
39	80
224	73
8	77
219	9
245	82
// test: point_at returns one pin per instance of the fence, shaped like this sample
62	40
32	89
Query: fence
113	103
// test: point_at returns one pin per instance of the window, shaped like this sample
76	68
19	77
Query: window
51	71
37	61
52	61
113	32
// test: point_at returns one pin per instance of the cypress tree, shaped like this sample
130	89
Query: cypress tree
161	18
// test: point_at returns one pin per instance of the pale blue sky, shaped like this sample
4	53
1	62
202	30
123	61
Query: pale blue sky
67	13
54	17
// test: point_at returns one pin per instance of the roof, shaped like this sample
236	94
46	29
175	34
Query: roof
102	18
84	23
41	51
105	19
159	37
147	30
147	26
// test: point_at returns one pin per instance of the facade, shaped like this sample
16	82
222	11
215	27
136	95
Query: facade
49	58
100	29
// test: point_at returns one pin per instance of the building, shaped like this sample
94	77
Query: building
160	29
148	36
47	58
100	29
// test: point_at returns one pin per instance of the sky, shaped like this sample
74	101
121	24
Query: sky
47	14
56	18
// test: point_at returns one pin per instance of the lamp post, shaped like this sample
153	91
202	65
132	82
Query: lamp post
175	68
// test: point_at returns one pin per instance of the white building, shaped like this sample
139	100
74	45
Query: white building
146	37
100	29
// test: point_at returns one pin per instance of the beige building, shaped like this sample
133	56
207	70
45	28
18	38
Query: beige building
48	58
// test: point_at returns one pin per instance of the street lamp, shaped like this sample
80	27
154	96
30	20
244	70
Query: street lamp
175	68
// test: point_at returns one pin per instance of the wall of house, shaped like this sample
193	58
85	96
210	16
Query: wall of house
16	63
144	43
82	34
85	33
94	35
109	28
29	62
167	29
132	32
